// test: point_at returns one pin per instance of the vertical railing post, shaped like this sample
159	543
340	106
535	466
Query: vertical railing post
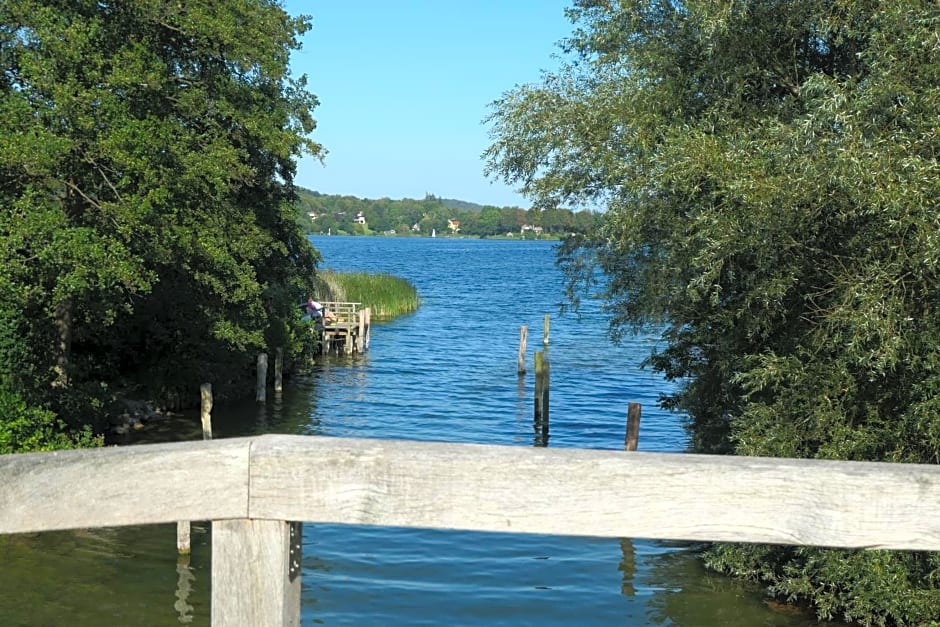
255	573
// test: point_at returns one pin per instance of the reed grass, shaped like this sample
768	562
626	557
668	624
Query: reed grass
387	295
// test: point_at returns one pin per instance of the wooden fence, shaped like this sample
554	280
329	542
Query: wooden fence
251	488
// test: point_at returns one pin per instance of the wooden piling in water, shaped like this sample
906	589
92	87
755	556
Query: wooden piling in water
183	537
546	385
279	370
547	324
184	527
542	378
361	336
261	392
632	438
538	387
523	338
205	414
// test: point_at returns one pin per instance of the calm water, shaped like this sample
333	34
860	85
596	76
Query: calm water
447	372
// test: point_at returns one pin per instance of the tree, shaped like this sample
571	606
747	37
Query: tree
147	152
770	176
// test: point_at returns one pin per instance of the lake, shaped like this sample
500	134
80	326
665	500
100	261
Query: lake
444	373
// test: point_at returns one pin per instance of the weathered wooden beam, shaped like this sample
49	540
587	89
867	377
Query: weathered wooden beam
128	485
253	579
596	493
477	487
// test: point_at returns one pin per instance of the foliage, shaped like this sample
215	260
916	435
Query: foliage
386	295
335	214
771	180
31	429
146	157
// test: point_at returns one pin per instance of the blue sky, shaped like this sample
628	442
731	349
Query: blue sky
404	87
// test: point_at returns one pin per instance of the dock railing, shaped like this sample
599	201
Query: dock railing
252	488
345	312
348	328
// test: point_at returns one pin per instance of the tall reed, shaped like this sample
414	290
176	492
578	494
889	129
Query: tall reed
387	295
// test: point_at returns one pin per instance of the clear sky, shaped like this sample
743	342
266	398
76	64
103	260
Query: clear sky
404	87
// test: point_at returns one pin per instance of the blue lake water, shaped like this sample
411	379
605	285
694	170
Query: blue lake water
446	373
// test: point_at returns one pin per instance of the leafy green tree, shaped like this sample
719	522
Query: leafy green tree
770	176
511	219
488	222
147	151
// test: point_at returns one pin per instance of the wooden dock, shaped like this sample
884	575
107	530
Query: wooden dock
349	331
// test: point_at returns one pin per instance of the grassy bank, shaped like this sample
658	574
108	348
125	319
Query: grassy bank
388	296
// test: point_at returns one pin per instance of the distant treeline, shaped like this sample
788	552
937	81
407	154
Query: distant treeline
321	213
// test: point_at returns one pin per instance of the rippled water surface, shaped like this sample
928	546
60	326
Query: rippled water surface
448	373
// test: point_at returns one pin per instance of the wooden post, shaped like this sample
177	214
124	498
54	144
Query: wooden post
523	338
255	573
541	399
545	331
628	551
633	426
368	311
184	527
546	385
361	337
261	392
205	393
538	387
183	537
279	370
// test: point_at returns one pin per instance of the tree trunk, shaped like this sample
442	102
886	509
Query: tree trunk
63	348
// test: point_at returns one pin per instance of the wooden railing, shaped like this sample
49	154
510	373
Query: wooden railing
349	326
345	312
252	487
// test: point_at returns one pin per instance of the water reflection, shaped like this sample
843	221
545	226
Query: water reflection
627	566
184	586
709	599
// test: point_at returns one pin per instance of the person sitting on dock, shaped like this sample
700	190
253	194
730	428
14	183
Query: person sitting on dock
318	312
